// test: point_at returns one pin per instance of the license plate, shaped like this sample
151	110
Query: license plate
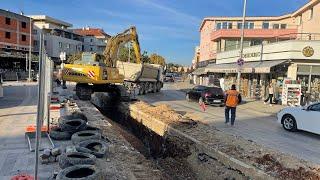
217	101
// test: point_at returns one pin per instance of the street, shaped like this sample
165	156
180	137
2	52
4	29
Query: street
255	121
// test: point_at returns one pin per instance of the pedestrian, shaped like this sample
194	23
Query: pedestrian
270	97
232	99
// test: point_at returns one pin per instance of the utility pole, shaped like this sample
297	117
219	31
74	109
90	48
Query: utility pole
30	39
241	42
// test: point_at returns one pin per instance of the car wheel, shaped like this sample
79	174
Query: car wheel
289	123
188	98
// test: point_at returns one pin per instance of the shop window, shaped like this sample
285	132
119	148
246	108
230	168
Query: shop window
231	45
8	35
283	26
265	25
8	21
23	37
23	25
256	42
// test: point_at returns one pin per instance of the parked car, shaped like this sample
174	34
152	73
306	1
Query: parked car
168	78
301	118
208	95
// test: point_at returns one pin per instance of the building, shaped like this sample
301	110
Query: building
94	39
196	57
275	49
14	39
57	37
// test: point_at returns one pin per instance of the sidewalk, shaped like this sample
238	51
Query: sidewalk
15	156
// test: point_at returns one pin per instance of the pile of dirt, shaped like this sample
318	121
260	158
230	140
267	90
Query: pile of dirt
272	165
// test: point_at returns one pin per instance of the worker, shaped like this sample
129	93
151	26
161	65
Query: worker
270	97
232	99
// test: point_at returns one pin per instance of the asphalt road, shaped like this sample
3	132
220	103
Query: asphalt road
255	121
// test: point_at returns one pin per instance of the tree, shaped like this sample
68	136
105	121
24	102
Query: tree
123	54
74	57
144	57
157	59
182	69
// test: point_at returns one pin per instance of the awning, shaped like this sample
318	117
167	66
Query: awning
248	67
199	71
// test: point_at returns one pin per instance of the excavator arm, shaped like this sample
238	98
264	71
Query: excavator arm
115	42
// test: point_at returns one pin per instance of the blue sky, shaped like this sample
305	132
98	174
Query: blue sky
167	27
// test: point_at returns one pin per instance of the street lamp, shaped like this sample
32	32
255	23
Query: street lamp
241	41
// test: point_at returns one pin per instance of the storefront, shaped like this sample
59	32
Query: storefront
272	64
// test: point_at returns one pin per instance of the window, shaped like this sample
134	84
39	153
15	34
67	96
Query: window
34	31
230	25
247	25
45	42
8	21
218	26
35	43
91	40
68	46
256	42
24	25
91	49
8	35
311	14
265	25
225	25
23	37
315	107
275	26
283	26
60	44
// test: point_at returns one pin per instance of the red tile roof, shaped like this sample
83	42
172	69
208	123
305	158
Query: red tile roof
91	32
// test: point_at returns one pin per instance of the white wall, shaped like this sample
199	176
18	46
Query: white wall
274	51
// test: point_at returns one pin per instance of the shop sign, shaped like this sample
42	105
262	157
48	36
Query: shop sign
250	55
308	51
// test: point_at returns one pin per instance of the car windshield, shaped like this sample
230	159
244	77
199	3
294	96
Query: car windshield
215	90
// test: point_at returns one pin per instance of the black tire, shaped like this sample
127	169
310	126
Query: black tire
96	147
73	115
73	125
91	128
85	135
80	172
76	158
289	123
57	134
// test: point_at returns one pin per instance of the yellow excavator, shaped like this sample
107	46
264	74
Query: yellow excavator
98	73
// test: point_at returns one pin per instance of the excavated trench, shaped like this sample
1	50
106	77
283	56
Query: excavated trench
169	158
177	158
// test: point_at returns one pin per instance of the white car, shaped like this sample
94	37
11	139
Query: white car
301	118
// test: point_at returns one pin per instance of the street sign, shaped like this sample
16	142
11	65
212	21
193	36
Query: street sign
63	56
240	62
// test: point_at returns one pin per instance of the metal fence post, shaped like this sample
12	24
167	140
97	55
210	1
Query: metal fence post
40	109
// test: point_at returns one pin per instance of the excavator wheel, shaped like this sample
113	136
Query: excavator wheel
83	91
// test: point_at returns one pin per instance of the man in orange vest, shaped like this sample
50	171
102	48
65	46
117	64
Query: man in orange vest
232	99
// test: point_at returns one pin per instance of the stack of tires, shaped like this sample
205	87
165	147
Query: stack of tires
88	146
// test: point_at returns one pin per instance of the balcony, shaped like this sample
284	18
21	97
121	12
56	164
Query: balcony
255	33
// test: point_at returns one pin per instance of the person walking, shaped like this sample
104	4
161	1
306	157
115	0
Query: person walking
270	97
232	99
